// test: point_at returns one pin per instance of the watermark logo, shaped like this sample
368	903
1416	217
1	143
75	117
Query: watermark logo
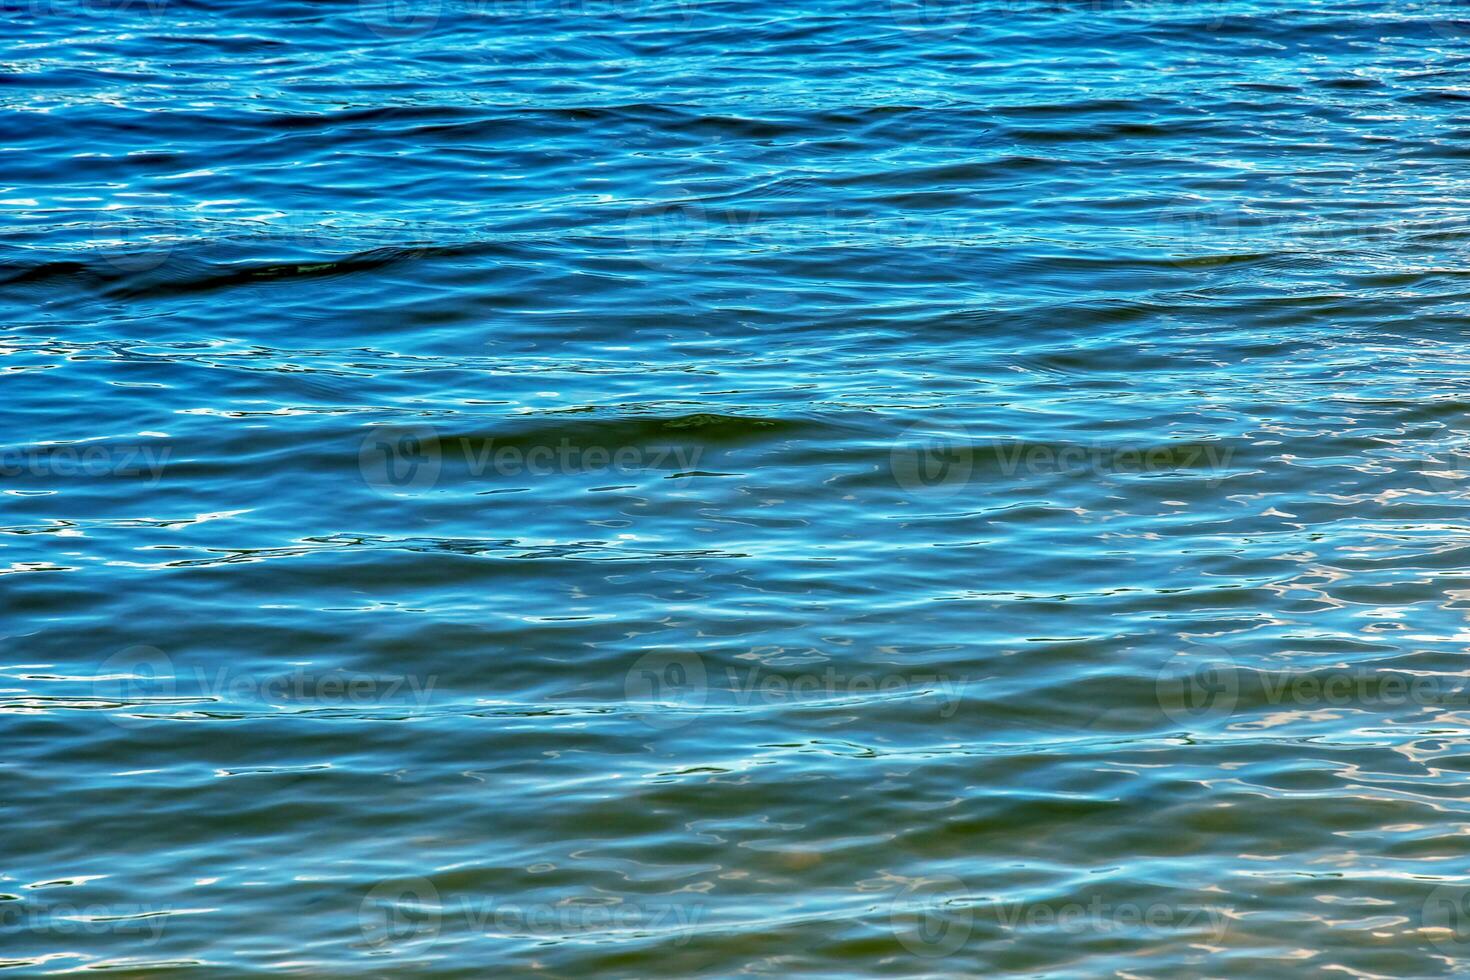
1198	686
682	684
671	234
1101	915
98	8
948	18
91	8
1446	918
1188	228
932	463
400	20
143	924
131	678
762	686
1447	468
590	916
408	19
1449	18
934	18
407	459
89	461
397	459
138	238
933	917
678	232
927	462
410	912
141	677
134	240
1199	232
395	913
667	688
798	214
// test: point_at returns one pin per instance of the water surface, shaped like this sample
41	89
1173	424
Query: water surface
655	488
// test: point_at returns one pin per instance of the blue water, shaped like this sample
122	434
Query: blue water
653	488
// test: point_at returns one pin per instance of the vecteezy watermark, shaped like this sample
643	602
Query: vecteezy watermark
936	917
669	689
402	20
1201	232
678	231
85	8
944	462
1202	686
411	912
411	459
950	18
140	923
140	682
86	461
133	237
1102	915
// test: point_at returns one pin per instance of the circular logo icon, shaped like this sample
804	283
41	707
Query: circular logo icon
400	20
1194	231
668	688
937	18
1446	465
671	235
396	459
1197	686
933	917
132	678
1449	18
932	464
399	912
1447	918
134	240
685	8
1210	14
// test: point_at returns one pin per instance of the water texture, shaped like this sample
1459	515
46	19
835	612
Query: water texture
626	488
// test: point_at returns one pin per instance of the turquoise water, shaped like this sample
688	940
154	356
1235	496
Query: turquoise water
640	488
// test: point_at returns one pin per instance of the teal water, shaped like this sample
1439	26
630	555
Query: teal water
641	488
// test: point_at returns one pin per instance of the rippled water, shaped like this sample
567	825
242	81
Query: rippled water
639	487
